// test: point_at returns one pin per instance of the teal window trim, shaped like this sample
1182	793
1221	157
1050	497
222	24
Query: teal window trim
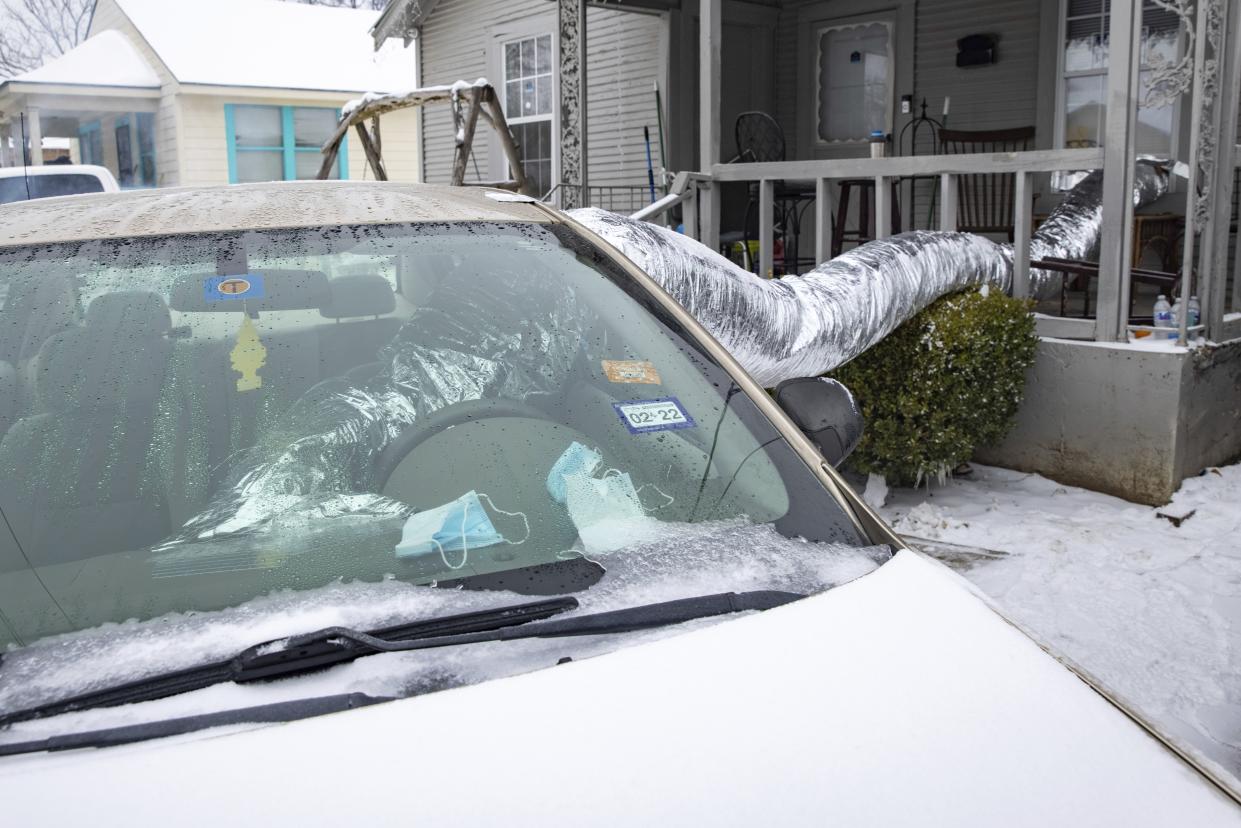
288	147
230	133
344	153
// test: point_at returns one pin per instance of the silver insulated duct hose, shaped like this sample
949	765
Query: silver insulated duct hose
807	325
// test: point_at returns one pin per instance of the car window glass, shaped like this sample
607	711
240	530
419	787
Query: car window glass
190	422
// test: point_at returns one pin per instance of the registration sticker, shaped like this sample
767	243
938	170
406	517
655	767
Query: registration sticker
631	370
641	416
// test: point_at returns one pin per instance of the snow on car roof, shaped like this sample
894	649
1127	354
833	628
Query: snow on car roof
272	205
107	59
280	45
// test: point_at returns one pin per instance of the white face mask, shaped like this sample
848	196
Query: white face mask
605	510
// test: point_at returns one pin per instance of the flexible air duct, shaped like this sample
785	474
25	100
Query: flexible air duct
809	324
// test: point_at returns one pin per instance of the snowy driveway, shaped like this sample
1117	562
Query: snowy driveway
1151	609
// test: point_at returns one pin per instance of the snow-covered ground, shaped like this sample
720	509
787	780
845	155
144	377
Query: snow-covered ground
1151	609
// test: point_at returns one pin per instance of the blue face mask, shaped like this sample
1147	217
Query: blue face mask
455	527
576	461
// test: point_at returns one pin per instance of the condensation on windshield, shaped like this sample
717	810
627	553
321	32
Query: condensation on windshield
685	561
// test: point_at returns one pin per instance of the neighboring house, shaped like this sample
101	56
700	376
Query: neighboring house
184	92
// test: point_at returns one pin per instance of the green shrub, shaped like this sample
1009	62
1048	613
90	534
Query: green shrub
946	381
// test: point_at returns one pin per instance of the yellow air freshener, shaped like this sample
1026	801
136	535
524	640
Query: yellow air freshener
248	356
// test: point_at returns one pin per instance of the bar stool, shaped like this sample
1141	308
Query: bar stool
866	217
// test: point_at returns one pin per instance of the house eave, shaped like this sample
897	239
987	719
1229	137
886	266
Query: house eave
266	91
99	89
403	19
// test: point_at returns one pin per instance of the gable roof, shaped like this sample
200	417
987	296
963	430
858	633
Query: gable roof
107	59
268	44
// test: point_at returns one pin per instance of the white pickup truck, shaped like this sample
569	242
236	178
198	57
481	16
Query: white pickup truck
24	183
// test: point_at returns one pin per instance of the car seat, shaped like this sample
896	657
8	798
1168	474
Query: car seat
78	481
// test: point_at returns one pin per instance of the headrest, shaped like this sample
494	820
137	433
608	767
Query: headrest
362	294
135	312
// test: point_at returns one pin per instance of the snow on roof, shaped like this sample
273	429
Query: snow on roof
270	44
107	59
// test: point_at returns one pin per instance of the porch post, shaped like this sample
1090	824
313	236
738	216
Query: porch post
1215	248
1119	155
34	132
766	228
823	208
710	37
6	152
572	44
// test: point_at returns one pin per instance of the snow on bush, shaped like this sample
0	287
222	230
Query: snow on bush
948	380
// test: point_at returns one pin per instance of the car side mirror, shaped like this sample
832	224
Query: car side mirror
826	412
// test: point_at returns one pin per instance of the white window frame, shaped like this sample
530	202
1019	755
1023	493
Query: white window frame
848	23
501	36
1061	76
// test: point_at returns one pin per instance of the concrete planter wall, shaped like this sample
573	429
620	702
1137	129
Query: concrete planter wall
1125	420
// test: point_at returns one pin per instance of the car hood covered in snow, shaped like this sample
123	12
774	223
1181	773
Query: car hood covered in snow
898	699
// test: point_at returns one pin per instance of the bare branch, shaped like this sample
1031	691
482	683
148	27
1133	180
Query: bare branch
32	32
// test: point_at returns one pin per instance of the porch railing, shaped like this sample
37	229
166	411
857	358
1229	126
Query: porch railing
689	190
618	198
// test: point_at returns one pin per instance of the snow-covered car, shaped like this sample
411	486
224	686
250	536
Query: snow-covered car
351	503
51	180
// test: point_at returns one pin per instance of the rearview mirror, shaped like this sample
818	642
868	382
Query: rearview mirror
826	412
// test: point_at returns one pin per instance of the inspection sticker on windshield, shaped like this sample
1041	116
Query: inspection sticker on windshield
243	286
641	416
631	370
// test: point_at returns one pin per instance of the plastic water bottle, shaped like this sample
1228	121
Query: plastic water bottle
1195	311
1176	319
1163	313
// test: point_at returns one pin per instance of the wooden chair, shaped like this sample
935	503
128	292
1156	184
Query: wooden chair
985	200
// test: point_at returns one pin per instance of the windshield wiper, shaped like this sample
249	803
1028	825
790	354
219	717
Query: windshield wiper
332	645
285	711
276	659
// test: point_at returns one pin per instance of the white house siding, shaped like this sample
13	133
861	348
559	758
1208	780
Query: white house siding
205	142
108	15
623	64
624	61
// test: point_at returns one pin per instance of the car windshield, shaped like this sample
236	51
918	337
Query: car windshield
20	188
190	424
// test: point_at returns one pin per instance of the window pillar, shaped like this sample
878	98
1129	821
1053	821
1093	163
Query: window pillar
1119	156
710	38
573	159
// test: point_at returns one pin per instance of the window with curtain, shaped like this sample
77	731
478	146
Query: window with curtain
279	143
855	77
529	95
1084	74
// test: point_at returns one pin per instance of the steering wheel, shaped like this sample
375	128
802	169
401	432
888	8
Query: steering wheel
456	414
